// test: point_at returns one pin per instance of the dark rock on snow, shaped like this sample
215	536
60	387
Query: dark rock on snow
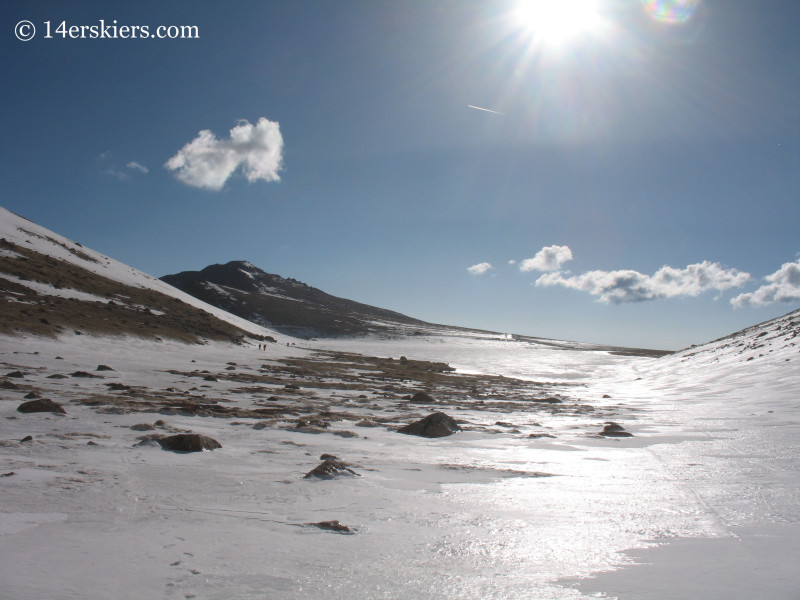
434	425
41	405
334	526
422	398
104	368
614	430
330	469
189	442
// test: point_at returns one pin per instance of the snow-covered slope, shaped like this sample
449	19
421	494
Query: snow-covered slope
16	271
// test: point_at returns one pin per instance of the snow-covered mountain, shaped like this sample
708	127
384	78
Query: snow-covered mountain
286	304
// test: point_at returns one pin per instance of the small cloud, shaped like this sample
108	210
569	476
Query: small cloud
480	268
512	262
208	162
112	166
549	258
138	167
783	286
623	286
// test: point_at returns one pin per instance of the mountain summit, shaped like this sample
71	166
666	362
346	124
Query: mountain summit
286	305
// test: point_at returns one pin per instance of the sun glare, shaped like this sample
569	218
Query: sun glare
553	22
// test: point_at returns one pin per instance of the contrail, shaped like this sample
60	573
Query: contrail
485	109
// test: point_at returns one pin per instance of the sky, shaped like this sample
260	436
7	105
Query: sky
623	172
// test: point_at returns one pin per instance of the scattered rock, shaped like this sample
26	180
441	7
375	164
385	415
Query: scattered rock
614	430
16	374
9	385
210	378
329	469
84	374
31	396
142	427
104	368
57	376
188	442
422	398
606	396
548	400
345	434
334	526
328	457
26	439
11	474
41	405
367	423
291	386
535	436
434	425
118	387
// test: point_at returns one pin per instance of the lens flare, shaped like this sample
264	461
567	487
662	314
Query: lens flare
672	12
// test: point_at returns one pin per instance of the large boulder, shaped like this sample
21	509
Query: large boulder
434	425
41	405
189	442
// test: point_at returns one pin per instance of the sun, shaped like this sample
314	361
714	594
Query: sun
554	22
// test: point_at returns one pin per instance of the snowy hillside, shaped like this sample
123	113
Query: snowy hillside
62	265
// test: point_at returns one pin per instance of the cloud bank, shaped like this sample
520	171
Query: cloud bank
623	286
208	162
549	258
480	268
783	286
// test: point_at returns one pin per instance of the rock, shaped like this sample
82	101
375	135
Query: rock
291	386
334	526
117	387
434	425
27	438
11	474
31	396
535	436
614	430
83	374
328	457
367	423
210	378
41	405
57	376
345	434
188	442
142	427
606	396
104	368
9	385
329	469
422	398
15	374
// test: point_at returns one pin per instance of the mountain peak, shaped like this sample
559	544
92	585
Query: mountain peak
285	304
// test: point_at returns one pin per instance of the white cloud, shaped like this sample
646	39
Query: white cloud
549	258
208	162
783	286
138	167
480	268
618	287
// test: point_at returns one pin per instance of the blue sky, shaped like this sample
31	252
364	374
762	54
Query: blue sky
641	173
